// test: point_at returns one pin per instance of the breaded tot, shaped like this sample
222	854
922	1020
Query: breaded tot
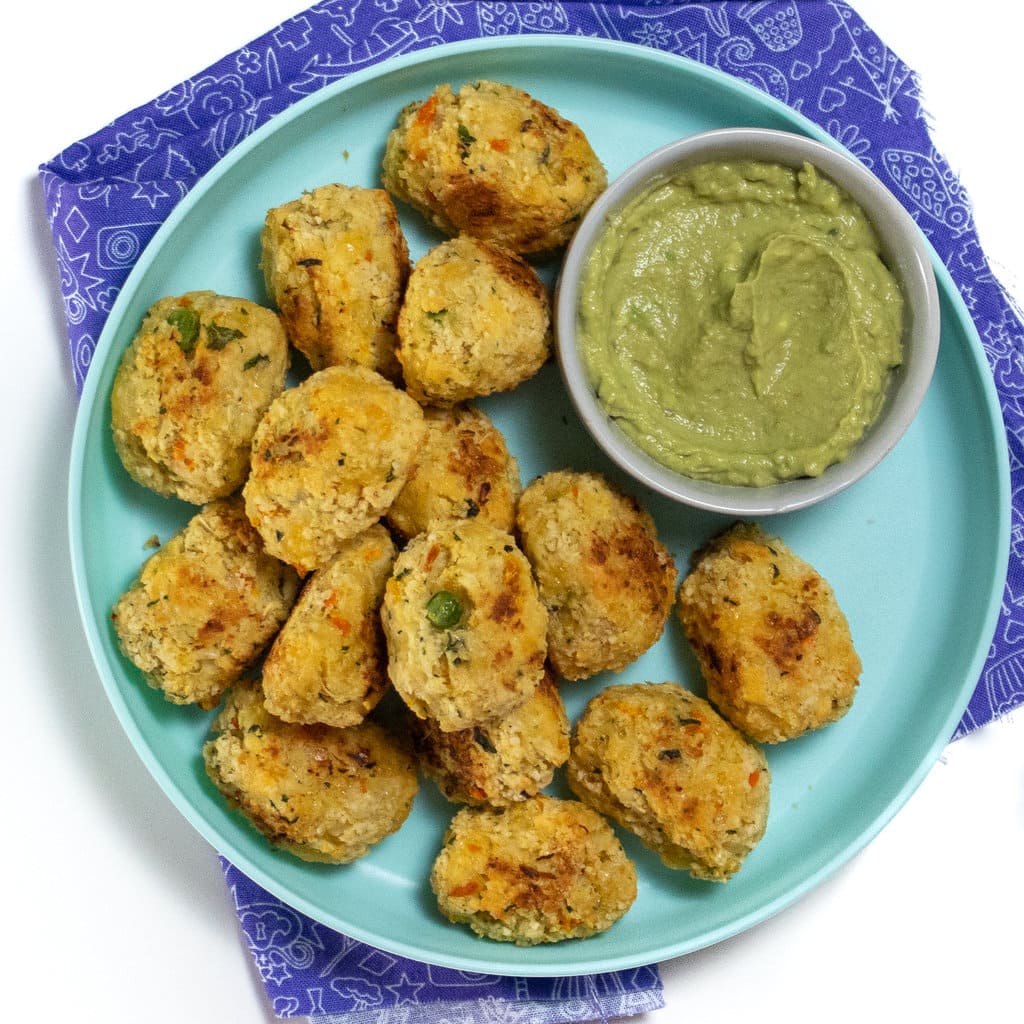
328	663
320	793
204	607
771	640
328	459
502	762
606	580
493	162
541	870
464	626
189	390
463	470
335	263
666	766
476	319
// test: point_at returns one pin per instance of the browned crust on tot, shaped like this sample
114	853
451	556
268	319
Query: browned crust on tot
771	640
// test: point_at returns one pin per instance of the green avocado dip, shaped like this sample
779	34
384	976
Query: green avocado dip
737	322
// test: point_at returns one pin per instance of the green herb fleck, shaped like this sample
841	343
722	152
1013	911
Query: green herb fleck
465	140
482	740
217	336
437	315
261	357
186	323
444	610
672	754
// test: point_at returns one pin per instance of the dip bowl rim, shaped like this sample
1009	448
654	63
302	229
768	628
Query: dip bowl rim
904	249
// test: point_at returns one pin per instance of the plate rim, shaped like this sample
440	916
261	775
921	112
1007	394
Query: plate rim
88	402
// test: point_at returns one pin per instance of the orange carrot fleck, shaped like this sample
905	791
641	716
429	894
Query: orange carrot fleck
431	556
426	112
467	889
501	145
178	449
753	777
625	708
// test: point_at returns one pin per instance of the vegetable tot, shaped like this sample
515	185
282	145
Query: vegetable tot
493	162
190	390
542	870
465	627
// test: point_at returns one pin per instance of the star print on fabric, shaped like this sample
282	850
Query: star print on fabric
150	192
405	990
142	134
439	12
78	286
272	967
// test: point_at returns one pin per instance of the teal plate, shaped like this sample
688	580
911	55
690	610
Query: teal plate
916	552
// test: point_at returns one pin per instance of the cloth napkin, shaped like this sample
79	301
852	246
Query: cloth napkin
107	194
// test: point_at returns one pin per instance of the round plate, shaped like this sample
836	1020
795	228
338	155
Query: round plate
916	552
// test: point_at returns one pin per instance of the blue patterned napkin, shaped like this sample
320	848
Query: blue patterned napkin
107	194
314	972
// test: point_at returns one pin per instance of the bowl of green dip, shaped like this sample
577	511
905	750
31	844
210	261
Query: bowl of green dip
747	320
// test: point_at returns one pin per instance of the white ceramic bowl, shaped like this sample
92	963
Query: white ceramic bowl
903	249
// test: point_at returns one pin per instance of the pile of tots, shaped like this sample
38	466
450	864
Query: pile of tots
366	531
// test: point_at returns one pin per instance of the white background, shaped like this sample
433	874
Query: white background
114	910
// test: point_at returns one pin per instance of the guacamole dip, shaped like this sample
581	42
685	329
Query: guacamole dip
738	324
